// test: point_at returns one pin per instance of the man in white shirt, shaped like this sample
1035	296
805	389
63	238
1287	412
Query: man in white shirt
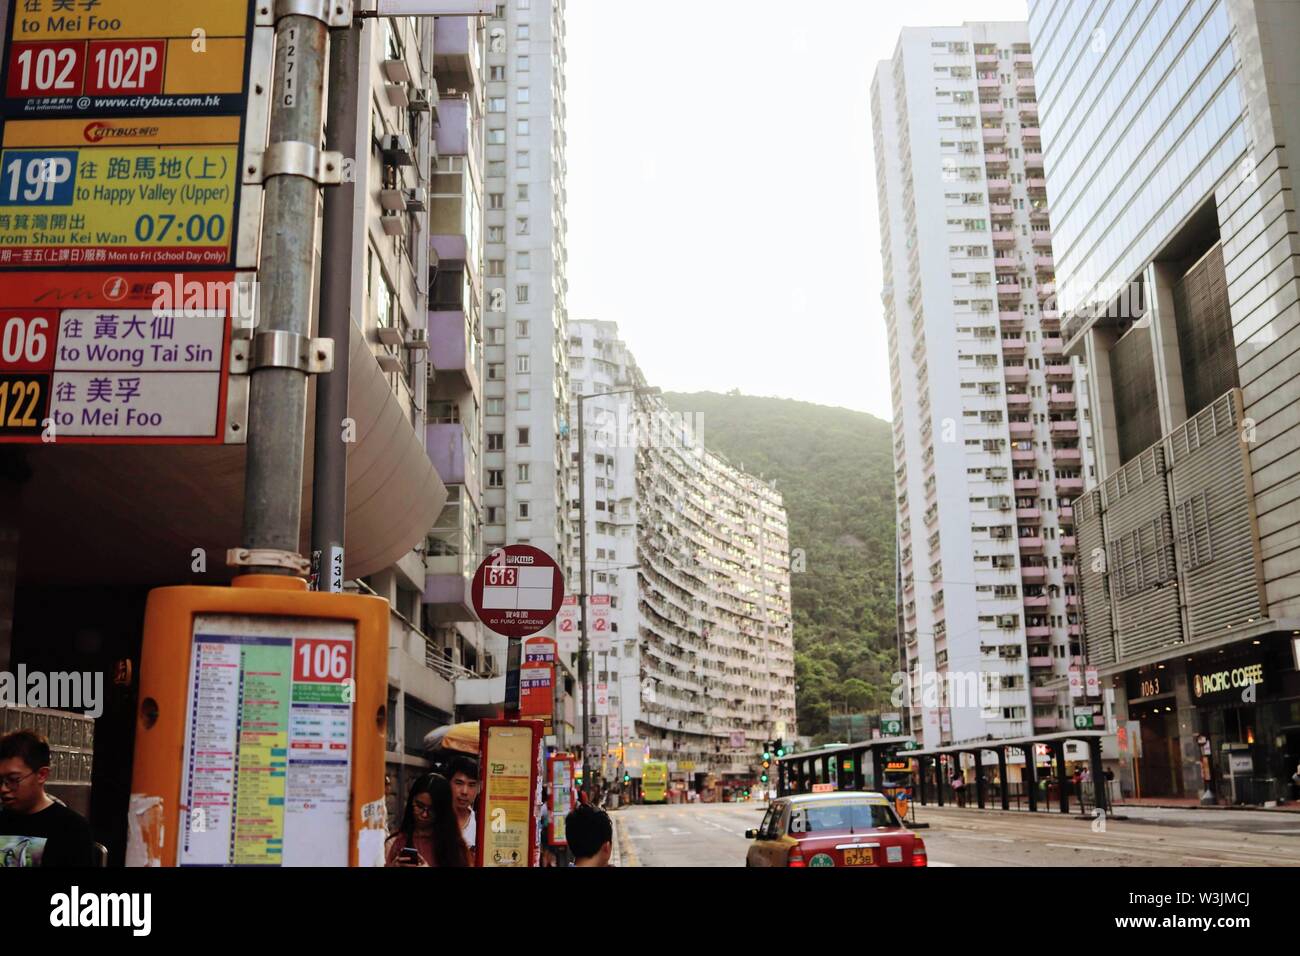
463	775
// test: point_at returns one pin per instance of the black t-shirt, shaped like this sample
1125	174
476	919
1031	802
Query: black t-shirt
56	836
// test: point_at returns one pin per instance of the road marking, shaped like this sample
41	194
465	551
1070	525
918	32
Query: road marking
937	863
990	839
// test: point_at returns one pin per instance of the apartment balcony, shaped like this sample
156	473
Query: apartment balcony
994	134
1067	572
999	187
1034	158
1031	132
1042	693
1069	486
1039	631
1068	546
1052	347
451	351
1069	429
1022	59
1038	211
1046	723
1025	484
1042	660
1007	262
1035	184
986	59
1013	346
449	449
1044	263
1015	373
452	132
1016	401
1074	630
1066	456
1035	601
457	53
1058	399
1029	515
1050	318
1072	600
1021	429
1024	84
991	110
1029	114
1003	237
1031	543
1042	240
998	158
1032	574
1059	372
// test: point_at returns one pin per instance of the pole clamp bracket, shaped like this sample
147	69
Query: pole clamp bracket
333	13
278	349
293	158
267	558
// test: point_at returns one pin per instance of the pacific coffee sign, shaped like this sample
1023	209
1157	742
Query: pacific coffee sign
1231	681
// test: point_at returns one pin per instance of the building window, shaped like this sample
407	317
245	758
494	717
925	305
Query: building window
496	234
521	225
496	137
521	159
496	104
523	436
521	63
522	365
523	472
521	329
497	73
496	201
521	127
496	267
524	511
496	372
523	260
522	193
496	478
494	514
521	294
496	441
523	401
522	32
522	94
494	406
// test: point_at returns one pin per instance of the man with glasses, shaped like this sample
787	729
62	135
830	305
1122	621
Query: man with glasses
36	829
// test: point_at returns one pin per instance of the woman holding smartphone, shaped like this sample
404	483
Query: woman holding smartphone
429	834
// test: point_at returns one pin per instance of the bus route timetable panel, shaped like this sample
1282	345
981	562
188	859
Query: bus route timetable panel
126	57
138	358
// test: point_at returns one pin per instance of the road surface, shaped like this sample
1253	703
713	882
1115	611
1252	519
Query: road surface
714	835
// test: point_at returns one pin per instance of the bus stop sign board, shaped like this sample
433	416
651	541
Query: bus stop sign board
517	590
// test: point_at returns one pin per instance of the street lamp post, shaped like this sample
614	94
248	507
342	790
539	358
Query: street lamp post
583	666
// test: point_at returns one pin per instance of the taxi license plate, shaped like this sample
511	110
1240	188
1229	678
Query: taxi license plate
857	856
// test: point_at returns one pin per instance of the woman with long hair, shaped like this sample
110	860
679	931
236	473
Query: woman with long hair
429	834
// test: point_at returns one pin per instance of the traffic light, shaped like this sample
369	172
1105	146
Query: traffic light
627	777
768	747
780	747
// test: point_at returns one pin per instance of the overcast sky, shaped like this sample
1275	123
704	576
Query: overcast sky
722	195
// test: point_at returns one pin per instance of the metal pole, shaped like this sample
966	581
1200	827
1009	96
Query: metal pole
330	461
582	595
278	389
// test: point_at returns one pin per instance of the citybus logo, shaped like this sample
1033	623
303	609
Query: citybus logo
99	131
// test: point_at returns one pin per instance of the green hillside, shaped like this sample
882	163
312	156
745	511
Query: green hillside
834	468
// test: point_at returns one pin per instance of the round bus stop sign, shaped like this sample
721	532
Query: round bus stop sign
517	590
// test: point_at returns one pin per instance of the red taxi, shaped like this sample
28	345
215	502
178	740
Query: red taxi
834	829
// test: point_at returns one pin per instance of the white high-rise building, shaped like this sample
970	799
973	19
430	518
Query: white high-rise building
991	440
525	391
693	554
